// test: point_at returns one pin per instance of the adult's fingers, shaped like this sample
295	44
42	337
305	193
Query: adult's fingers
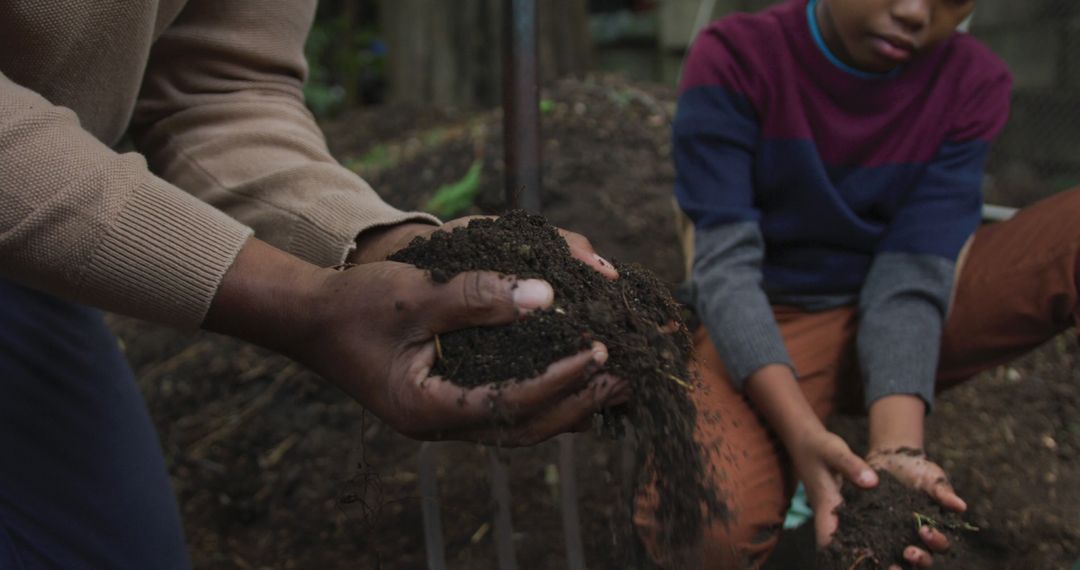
581	249
561	379
482	298
455	411
565	415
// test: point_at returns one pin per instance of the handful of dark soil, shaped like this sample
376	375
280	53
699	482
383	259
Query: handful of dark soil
876	525
630	316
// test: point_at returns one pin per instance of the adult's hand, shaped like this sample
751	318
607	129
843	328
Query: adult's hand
377	244
370	330
911	467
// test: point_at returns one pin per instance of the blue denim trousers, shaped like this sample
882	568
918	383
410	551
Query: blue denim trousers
83	482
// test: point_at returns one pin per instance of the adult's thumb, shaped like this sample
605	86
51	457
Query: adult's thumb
479	298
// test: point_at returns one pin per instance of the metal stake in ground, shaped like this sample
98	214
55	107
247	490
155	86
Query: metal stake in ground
521	105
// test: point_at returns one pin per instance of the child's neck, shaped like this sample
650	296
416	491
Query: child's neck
827	38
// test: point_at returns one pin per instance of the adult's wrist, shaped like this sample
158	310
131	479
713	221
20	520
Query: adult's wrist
267	297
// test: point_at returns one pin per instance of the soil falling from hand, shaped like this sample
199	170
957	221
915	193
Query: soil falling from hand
633	316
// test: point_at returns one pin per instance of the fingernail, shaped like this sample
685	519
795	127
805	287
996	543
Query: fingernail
867	477
599	354
533	294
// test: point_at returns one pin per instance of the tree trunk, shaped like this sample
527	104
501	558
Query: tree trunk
450	53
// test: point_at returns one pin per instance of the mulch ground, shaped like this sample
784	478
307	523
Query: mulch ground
276	469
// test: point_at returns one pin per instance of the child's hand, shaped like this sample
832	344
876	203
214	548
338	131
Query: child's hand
822	461
911	467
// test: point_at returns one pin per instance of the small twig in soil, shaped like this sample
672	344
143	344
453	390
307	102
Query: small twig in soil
680	382
438	348
922	520
867	555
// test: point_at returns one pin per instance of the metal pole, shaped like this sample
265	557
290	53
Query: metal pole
521	105
568	500
504	528
429	506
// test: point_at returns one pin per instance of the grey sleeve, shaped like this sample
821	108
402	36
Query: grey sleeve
902	309
731	302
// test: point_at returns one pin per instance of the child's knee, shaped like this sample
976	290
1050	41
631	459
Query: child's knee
740	544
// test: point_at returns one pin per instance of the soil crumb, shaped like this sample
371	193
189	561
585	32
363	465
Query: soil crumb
633	316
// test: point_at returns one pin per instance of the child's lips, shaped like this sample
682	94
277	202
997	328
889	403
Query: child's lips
895	49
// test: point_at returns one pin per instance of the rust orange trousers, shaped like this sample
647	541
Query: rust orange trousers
1016	289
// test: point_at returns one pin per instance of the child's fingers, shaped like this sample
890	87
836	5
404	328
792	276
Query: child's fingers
933	539
825	524
918	557
944	494
852	467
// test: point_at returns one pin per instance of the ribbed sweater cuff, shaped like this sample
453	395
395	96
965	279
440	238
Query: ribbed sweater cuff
902	310
164	256
747	339
340	223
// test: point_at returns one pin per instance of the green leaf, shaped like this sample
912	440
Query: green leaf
452	199
546	106
377	158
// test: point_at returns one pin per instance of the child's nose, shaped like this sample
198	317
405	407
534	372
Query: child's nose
914	15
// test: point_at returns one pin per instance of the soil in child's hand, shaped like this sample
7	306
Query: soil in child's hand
633	316
876	525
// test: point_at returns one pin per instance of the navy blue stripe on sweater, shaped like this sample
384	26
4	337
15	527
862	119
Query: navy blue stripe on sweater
822	224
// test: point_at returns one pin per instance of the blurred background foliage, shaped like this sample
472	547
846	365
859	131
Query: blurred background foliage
447	54
346	57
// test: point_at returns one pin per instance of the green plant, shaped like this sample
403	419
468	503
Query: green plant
378	158
454	198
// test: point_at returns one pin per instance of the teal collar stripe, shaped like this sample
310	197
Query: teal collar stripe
815	31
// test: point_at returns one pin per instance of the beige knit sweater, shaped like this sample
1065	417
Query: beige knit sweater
210	91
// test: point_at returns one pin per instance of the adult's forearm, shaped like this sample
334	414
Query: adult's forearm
82	222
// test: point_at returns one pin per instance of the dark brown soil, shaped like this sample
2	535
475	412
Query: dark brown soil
876	526
633	316
261	451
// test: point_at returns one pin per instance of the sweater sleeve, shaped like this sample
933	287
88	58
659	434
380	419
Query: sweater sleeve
221	114
83	222
715	133
905	299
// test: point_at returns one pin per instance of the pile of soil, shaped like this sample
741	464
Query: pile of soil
633	316
876	525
